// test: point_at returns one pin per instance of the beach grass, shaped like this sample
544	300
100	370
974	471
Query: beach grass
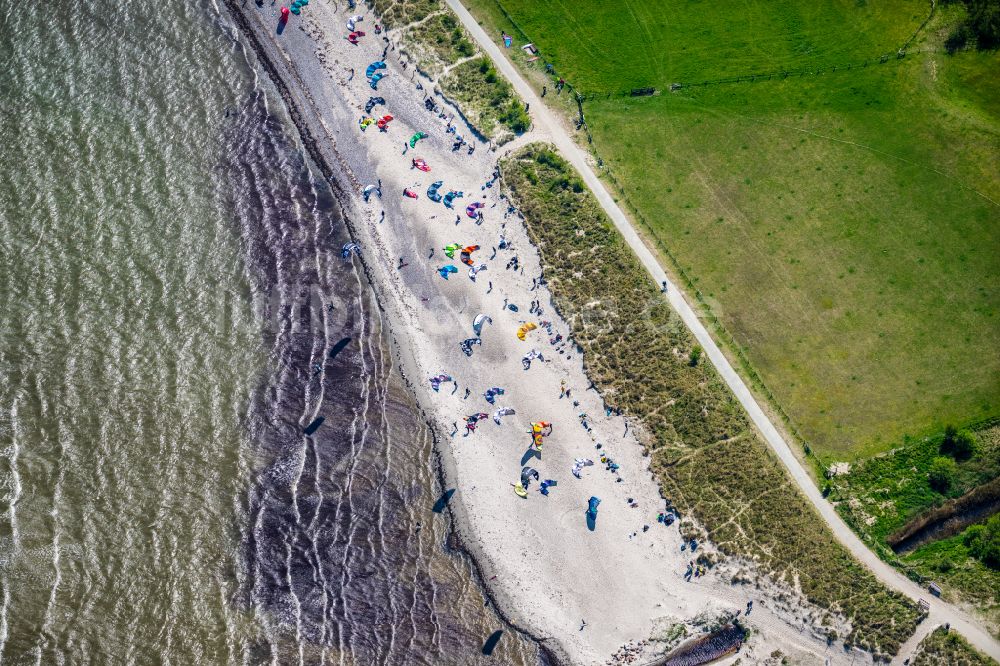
487	99
708	459
443	51
945	648
839	224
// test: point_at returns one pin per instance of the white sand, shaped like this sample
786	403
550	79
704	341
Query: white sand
547	571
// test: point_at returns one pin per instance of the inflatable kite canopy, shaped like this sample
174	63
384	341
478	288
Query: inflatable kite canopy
372	68
522	331
432	191
417	137
472	208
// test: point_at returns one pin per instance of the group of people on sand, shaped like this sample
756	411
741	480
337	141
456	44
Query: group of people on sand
560	343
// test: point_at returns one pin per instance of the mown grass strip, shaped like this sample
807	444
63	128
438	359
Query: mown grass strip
708	459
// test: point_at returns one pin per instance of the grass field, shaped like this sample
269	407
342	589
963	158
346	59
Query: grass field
843	227
708	459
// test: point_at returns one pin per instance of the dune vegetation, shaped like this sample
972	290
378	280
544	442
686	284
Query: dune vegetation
709	460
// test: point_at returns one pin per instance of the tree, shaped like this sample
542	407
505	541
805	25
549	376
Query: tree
942	474
984	19
983	542
960	444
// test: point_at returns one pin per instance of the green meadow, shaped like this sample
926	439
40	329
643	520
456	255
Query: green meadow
841	223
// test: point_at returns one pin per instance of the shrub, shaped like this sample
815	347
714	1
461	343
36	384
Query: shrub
983	542
942	474
959	445
694	356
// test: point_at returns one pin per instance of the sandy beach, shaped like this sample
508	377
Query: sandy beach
584	591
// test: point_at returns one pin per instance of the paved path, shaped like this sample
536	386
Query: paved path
546	120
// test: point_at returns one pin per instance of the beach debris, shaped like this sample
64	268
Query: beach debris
451	196
524	329
467	344
579	464
466	256
345	251
417	137
502	412
436	381
444	271
477	325
432	191
420	163
492	393
472	209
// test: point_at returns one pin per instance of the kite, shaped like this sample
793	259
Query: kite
522	331
477	323
345	251
419	163
466	255
472	208
354	19
450	249
374	67
475	270
466	346
383	123
445	270
492	393
417	137
451	196
437	381
410	193
372	103
365	122
375	80
500	413
432	191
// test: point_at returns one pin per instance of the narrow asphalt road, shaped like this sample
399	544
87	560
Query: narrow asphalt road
542	116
